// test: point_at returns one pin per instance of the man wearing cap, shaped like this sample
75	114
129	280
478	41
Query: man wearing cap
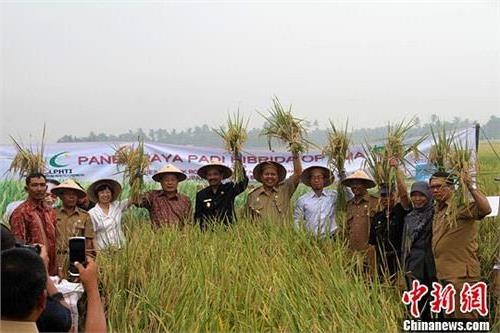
454	233
316	209
71	221
215	203
272	199
167	206
386	229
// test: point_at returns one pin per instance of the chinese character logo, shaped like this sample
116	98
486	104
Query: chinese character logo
472	298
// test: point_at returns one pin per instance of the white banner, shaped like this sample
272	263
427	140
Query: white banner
92	161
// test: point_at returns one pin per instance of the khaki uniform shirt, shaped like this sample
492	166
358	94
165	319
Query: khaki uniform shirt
454	241
9	326
359	214
78	224
262	205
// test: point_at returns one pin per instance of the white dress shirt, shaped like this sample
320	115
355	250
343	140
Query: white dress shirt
317	213
108	228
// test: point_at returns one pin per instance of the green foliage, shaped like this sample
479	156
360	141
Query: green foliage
252	277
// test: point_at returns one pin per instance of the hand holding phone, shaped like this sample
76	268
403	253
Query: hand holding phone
76	254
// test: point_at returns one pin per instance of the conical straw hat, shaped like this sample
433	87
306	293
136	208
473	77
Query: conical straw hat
257	171
169	168
68	184
225	170
306	175
359	175
116	188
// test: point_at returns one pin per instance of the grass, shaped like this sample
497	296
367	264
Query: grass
252	277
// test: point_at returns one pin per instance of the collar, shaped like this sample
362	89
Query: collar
443	204
324	193
361	199
164	194
76	211
263	190
36	204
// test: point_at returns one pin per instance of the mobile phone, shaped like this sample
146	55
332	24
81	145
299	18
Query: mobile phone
76	253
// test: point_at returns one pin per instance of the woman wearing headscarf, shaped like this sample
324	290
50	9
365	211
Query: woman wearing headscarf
417	258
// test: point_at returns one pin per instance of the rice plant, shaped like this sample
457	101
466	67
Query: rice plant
28	159
135	164
234	137
283	126
337	151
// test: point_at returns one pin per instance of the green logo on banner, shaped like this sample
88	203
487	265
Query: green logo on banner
53	161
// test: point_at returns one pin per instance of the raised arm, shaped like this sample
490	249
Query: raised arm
297	169
483	206
404	199
242	185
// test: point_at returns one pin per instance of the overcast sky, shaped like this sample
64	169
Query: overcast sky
108	67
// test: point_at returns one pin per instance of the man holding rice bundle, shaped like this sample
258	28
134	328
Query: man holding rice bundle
454	234
272	198
167	206
71	221
215	203
316	209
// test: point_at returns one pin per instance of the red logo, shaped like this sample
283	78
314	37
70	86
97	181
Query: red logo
443	298
472	298
413	296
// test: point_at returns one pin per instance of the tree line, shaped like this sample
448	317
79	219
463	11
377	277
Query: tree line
205	136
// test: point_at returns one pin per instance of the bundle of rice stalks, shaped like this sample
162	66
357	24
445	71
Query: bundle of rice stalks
337	150
378	158
440	150
462	164
28	159
135	164
377	163
282	125
396	137
234	137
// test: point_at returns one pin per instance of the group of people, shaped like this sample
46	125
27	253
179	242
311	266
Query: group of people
397	230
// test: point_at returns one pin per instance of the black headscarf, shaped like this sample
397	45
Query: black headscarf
418	221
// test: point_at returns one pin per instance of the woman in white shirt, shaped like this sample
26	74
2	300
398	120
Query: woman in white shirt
107	214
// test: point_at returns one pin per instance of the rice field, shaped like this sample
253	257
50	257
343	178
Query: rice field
252	277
